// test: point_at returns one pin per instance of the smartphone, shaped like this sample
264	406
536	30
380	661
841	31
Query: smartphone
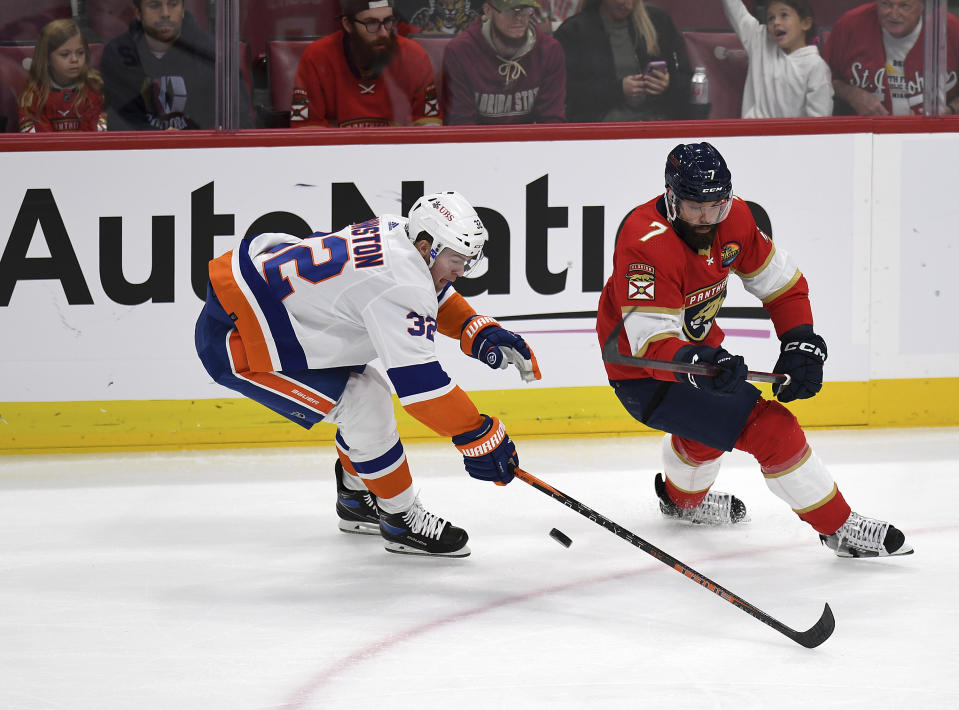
655	66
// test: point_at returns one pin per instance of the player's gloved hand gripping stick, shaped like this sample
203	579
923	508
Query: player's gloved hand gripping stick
611	354
488	452
802	355
486	340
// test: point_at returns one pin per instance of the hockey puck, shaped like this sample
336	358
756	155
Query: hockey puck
560	537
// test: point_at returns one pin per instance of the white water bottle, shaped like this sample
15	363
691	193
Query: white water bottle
699	87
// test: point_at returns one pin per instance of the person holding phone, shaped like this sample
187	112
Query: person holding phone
625	61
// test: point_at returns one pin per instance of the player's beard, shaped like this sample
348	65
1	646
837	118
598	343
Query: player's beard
372	57
696	240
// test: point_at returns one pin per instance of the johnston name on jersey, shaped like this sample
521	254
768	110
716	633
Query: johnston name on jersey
345	299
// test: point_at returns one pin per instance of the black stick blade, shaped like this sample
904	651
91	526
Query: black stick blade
818	632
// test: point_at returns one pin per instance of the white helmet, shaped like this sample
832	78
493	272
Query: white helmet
452	223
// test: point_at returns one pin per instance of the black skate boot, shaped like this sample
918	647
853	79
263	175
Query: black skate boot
419	532
716	509
357	509
860	536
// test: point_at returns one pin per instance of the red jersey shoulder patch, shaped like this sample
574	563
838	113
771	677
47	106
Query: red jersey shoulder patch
640	282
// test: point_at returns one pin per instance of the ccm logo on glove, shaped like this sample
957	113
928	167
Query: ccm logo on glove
805	347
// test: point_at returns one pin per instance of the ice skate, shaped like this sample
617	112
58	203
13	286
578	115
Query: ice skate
357	509
419	532
716	509
860	536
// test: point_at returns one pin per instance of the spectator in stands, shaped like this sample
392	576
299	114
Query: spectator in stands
364	74
64	93
786	76
875	52
610	47
438	17
159	74
504	69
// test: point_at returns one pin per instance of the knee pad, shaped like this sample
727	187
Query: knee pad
772	434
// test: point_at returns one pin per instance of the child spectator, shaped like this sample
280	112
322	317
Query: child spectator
786	76
64	93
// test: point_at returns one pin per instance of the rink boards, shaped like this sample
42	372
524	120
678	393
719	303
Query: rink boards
103	253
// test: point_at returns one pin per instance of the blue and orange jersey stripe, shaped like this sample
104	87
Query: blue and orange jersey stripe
264	324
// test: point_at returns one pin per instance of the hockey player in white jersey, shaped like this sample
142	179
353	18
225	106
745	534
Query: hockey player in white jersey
292	323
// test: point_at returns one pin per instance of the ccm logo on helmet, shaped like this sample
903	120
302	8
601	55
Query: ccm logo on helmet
713	189
806	348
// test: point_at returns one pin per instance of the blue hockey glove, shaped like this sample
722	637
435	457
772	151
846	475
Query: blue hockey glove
802	354
732	373
483	338
488	452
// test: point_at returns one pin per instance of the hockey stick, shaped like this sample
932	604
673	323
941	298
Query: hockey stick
611	354
812	637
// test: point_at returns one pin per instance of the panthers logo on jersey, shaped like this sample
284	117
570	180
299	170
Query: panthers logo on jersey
701	309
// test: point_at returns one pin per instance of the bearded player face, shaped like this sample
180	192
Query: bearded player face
372	36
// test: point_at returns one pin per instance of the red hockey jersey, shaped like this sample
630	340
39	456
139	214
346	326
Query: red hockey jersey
327	90
61	113
669	295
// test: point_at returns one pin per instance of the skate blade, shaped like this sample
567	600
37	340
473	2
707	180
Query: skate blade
401	549
360	528
859	555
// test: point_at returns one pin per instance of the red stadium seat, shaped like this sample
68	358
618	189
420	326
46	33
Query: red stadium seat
827	12
724	58
283	56
697	14
23	52
436	48
19	52
111	18
262	21
22	20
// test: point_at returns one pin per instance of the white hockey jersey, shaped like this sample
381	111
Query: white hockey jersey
344	299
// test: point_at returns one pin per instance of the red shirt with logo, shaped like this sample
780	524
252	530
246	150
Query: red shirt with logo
856	55
61	113
328	89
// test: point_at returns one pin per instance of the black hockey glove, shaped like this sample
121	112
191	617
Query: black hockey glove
487	341
488	452
732	373
801	356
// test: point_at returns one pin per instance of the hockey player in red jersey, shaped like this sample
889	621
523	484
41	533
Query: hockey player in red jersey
293	323
672	260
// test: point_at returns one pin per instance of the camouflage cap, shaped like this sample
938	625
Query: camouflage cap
351	8
507	5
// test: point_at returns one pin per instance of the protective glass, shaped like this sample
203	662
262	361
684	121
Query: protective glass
704	212
373	26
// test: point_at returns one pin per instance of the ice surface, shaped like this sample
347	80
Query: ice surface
219	579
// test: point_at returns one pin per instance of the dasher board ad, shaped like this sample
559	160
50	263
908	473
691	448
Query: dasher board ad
103	254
